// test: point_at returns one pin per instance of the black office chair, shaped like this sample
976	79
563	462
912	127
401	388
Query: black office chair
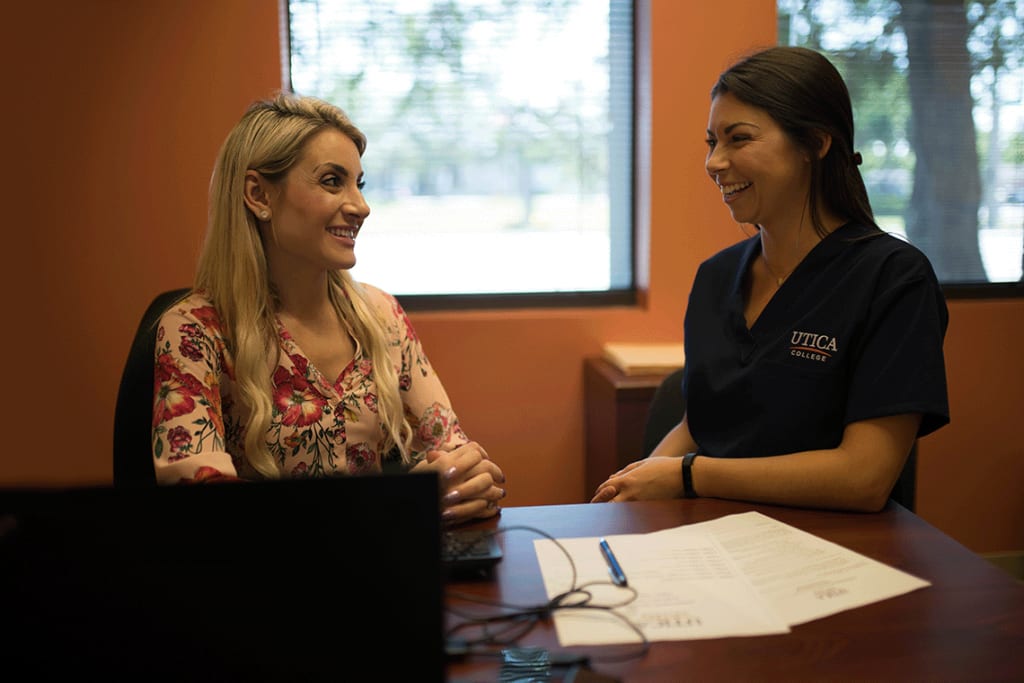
904	491
668	405
666	410
133	415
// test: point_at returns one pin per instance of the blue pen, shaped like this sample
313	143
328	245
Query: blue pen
613	564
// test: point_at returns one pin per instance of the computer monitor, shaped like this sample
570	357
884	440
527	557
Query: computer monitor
295	580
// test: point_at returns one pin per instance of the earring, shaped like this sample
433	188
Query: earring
264	215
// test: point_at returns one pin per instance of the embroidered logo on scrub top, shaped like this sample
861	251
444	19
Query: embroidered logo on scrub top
812	346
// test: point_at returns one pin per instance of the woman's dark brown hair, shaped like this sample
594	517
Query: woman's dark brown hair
804	93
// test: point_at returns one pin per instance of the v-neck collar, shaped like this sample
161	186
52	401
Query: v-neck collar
325	385
822	252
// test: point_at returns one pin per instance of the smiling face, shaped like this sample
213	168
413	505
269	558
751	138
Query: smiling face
317	209
763	175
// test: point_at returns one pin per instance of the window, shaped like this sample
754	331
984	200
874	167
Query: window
499	161
937	93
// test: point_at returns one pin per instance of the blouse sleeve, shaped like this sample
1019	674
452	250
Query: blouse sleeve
428	409
188	421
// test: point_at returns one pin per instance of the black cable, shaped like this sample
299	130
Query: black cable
518	620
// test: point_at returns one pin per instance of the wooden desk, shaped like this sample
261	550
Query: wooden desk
967	626
616	410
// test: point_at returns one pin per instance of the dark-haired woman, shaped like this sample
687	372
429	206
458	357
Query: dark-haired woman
813	348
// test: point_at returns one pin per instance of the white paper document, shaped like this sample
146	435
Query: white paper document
739	575
686	588
802	576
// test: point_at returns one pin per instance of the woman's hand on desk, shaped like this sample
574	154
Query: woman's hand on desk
649	479
471	480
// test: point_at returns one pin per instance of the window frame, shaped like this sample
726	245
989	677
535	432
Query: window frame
983	290
624	296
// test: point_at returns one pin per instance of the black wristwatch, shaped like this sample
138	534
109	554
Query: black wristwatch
688	491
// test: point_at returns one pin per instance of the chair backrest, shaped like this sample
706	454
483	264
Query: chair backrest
133	415
904	491
666	410
668	405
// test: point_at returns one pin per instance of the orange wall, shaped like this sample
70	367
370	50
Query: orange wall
115	111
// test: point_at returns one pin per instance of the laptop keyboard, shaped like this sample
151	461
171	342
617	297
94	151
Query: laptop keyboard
469	551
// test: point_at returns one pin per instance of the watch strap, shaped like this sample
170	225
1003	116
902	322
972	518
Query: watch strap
688	491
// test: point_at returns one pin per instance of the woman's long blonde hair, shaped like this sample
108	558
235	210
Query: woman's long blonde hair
233	270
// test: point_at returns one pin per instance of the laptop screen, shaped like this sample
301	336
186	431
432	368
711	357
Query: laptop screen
321	579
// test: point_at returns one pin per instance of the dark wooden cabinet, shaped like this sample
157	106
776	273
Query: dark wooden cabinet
615	406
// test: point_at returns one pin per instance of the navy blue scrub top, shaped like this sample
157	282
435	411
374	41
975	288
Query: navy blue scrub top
854	333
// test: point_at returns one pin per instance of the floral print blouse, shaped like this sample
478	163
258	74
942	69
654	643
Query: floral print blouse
320	425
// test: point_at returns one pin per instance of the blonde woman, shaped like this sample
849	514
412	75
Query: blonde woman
279	364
